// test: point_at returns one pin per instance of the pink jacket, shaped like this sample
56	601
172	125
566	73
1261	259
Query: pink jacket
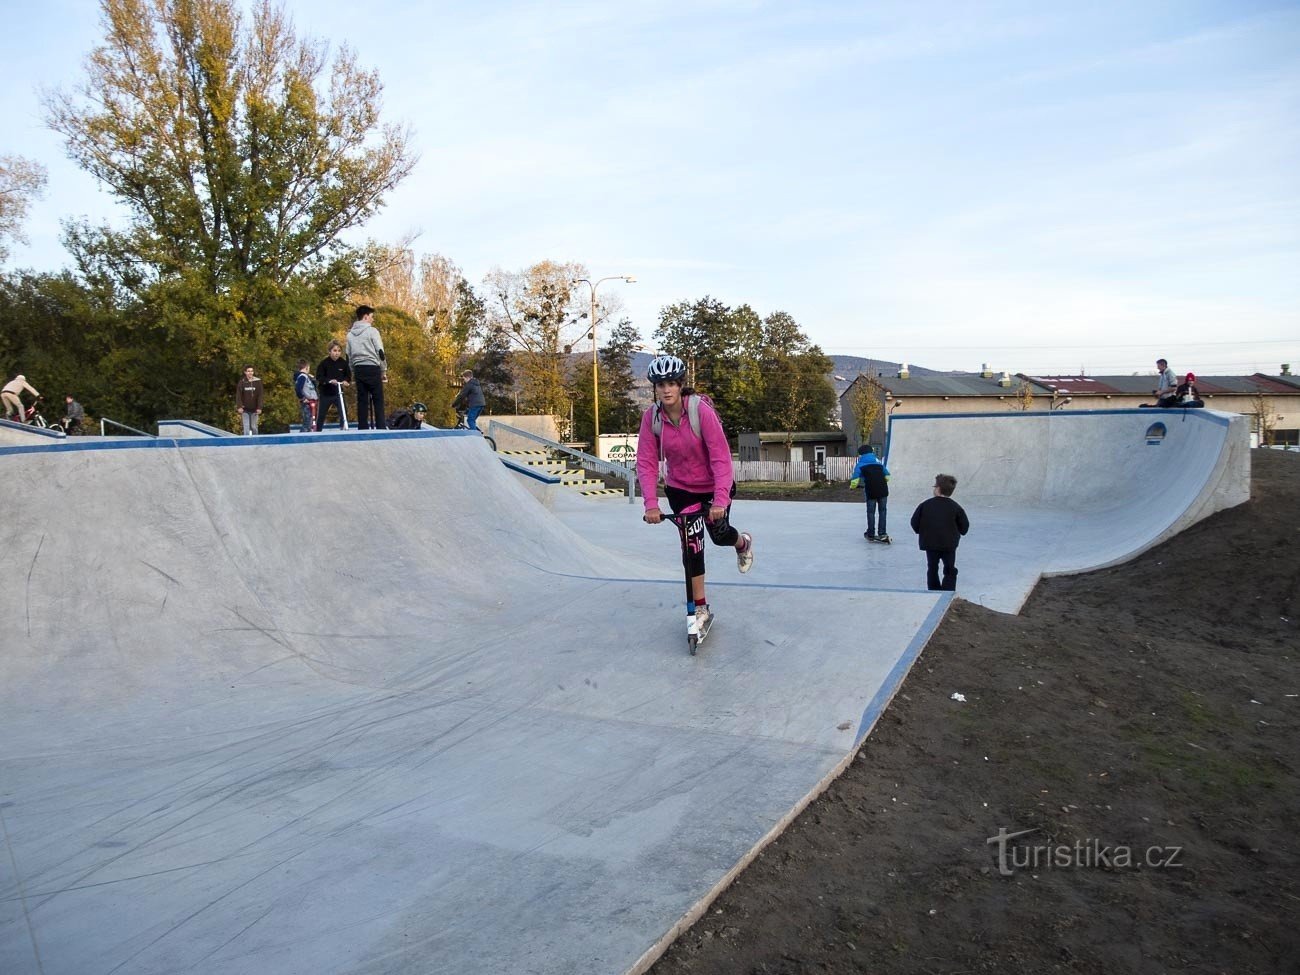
697	465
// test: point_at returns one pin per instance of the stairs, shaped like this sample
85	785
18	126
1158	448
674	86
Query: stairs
557	465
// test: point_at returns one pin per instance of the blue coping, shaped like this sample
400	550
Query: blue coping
236	442
1056	415
529	472
52	433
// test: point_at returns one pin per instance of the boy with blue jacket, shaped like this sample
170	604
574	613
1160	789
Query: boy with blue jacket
874	478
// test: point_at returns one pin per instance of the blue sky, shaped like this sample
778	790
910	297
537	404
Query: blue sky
1042	187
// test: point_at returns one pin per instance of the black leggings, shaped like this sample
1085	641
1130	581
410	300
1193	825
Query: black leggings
721	531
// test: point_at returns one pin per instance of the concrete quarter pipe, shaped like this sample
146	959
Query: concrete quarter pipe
359	703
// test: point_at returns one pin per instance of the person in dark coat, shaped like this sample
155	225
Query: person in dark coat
939	524
470	399
248	401
333	375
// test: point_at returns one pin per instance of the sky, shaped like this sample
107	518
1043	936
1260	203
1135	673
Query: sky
1042	187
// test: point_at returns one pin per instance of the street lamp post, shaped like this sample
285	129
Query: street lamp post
595	357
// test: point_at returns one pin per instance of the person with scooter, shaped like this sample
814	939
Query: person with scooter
11	396
333	375
683	429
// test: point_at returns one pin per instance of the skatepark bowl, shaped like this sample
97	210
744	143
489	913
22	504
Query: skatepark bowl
377	702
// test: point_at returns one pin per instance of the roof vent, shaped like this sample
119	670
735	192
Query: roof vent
986	372
1286	368
1005	381
902	371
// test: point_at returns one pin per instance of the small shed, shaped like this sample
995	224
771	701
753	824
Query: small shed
805	445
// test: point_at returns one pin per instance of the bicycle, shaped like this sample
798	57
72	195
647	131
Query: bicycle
462	423
31	417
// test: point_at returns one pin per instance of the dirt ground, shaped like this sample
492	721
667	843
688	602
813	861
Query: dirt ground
1150	708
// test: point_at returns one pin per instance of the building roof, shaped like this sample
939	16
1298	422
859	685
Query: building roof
1142	385
802	436
974	384
953	384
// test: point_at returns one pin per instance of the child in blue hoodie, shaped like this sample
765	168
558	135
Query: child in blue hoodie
874	478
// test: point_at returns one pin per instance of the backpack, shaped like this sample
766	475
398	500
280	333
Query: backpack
402	419
305	386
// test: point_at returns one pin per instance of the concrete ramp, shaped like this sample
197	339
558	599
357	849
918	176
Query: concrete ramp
17	434
1062	492
360	703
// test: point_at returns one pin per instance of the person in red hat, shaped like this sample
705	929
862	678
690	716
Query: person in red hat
1186	394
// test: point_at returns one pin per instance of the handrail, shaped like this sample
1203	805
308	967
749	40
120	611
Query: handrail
621	471
104	419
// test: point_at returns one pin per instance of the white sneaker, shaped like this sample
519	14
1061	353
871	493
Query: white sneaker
703	620
745	556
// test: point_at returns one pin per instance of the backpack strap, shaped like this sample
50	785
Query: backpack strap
692	413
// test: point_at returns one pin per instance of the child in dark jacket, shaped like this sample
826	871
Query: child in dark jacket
939	524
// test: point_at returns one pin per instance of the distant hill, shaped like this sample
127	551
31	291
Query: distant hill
847	367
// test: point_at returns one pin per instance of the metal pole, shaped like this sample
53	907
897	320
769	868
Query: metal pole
595	379
595	355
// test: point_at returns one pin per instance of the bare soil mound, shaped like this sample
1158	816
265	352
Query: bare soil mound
1141	721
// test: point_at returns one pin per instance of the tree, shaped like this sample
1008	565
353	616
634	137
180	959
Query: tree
69	339
537	312
242	157
1023	401
491	366
762	374
433	293
867	404
721	348
796	393
1265	418
619	412
21	181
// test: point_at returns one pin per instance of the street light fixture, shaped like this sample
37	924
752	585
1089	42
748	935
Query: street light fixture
595	358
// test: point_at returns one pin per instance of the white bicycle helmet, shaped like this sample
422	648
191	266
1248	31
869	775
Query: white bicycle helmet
666	368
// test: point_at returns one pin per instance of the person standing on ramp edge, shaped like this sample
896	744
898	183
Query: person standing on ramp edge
683	429
369	369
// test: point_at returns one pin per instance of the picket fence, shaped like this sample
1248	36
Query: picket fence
837	469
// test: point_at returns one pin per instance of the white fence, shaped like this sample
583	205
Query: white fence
837	469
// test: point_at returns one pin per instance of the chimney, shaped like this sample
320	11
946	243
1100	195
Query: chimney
1286	368
1005	381
902	371
986	372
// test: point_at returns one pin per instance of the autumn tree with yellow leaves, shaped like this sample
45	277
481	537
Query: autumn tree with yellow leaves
242	154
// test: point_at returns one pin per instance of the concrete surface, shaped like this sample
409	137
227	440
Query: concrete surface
15	434
362	703
359	703
1063	492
